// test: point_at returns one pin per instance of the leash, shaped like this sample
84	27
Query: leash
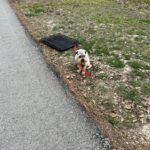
86	72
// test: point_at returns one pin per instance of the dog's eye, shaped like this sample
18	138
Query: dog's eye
76	52
80	56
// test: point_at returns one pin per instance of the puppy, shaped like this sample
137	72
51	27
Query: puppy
82	60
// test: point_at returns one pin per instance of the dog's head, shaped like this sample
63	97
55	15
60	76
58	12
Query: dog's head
81	55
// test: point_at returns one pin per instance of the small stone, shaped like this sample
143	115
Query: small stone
128	107
142	120
84	95
134	120
89	88
67	76
141	116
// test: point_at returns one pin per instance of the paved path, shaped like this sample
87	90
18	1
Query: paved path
36	112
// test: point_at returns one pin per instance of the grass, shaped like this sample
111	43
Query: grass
102	39
108	104
113	121
34	10
128	122
147	21
144	1
128	93
135	65
134	83
146	57
137	73
145	90
115	62
71	68
103	76
114	34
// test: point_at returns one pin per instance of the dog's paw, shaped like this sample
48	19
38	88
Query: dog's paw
89	66
83	73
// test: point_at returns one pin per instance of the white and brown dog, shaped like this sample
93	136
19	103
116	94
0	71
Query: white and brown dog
82	60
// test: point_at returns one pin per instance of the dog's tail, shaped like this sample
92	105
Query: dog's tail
75	47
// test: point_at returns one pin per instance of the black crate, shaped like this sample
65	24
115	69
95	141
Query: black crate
60	42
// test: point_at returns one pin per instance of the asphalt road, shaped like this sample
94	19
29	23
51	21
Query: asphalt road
36	111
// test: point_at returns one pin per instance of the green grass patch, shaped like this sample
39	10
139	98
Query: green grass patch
138	73
135	83
135	64
146	57
85	44
34	10
115	62
145	89
147	21
116	17
112	121
128	93
101	47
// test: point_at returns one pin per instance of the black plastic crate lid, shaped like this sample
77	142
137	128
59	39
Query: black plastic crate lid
60	42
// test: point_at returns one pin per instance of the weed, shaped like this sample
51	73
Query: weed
112	120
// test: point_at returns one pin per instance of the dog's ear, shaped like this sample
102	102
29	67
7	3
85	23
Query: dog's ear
76	52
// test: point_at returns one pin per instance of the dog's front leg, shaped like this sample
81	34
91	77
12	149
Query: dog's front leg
84	69
89	65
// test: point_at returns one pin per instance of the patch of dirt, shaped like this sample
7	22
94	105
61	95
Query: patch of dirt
125	122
